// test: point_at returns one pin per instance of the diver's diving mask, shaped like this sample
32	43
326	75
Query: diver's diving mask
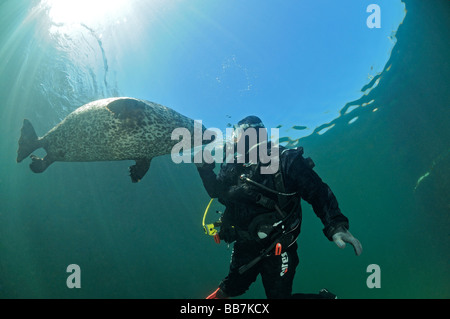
238	130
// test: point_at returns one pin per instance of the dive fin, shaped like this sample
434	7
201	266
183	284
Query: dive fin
138	170
28	141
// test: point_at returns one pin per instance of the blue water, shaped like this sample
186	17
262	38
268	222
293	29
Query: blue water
386	152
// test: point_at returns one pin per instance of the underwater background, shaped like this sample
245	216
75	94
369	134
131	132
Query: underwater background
386	155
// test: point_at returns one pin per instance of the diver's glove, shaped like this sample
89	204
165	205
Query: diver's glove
343	236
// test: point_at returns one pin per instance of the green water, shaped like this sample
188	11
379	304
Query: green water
389	169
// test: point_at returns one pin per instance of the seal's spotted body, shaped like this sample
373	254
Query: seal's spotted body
107	130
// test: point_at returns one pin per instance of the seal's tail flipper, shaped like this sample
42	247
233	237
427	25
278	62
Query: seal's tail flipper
38	165
138	170
28	141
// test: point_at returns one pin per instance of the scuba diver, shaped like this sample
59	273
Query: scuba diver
263	215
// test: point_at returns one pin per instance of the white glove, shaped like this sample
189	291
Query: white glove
344	236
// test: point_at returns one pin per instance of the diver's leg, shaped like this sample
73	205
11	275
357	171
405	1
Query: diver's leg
278	273
236	284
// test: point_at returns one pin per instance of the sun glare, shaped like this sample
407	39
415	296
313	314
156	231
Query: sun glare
86	11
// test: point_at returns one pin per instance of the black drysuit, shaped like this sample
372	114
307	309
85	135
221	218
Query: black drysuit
277	271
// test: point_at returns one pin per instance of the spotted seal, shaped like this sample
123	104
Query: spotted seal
111	129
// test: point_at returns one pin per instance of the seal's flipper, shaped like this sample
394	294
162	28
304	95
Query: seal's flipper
138	170
28	141
38	165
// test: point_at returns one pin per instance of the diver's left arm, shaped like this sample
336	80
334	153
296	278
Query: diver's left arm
324	203
213	186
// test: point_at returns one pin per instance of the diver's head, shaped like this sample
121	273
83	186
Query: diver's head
247	122
251	121
248	135
251	145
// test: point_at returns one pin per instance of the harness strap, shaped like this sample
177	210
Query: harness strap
279	186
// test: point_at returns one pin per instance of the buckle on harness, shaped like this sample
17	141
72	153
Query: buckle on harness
278	249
